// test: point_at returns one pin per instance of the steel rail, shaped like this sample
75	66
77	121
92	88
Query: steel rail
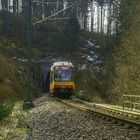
115	114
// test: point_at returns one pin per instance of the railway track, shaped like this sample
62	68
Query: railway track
118	116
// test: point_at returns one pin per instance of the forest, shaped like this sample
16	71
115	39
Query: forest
68	29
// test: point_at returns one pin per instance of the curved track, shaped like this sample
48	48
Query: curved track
126	118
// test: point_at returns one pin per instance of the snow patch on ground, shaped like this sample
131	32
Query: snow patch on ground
91	44
91	55
83	67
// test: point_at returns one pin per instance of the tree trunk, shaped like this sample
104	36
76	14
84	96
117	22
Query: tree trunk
98	19
92	16
109	20
14	6
101	18
4	4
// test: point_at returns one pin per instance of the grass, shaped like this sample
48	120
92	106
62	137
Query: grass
5	109
82	97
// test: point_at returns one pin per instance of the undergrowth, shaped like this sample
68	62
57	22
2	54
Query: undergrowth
5	109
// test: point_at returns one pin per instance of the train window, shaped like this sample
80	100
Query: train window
63	74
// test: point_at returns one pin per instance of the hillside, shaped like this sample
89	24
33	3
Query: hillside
107	63
10	87
127	59
12	78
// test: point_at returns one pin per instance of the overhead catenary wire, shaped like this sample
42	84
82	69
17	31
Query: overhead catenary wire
63	18
47	18
53	14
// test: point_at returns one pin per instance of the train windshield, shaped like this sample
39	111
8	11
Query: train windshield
63	74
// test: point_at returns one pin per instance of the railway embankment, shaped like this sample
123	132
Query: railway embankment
53	120
13	127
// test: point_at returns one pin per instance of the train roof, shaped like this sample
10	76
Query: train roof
61	63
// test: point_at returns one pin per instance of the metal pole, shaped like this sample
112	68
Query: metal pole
28	104
29	49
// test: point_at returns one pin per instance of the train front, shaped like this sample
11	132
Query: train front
62	75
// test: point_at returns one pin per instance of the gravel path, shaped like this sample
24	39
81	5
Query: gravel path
52	120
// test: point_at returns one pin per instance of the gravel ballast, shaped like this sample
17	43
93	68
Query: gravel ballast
53	120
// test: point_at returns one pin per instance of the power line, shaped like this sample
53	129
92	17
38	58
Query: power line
53	14
63	18
29	48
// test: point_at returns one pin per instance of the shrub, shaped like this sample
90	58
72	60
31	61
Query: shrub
5	109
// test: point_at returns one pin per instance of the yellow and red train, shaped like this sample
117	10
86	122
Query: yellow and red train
61	78
54	76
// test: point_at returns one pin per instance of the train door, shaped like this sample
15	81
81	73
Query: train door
51	81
